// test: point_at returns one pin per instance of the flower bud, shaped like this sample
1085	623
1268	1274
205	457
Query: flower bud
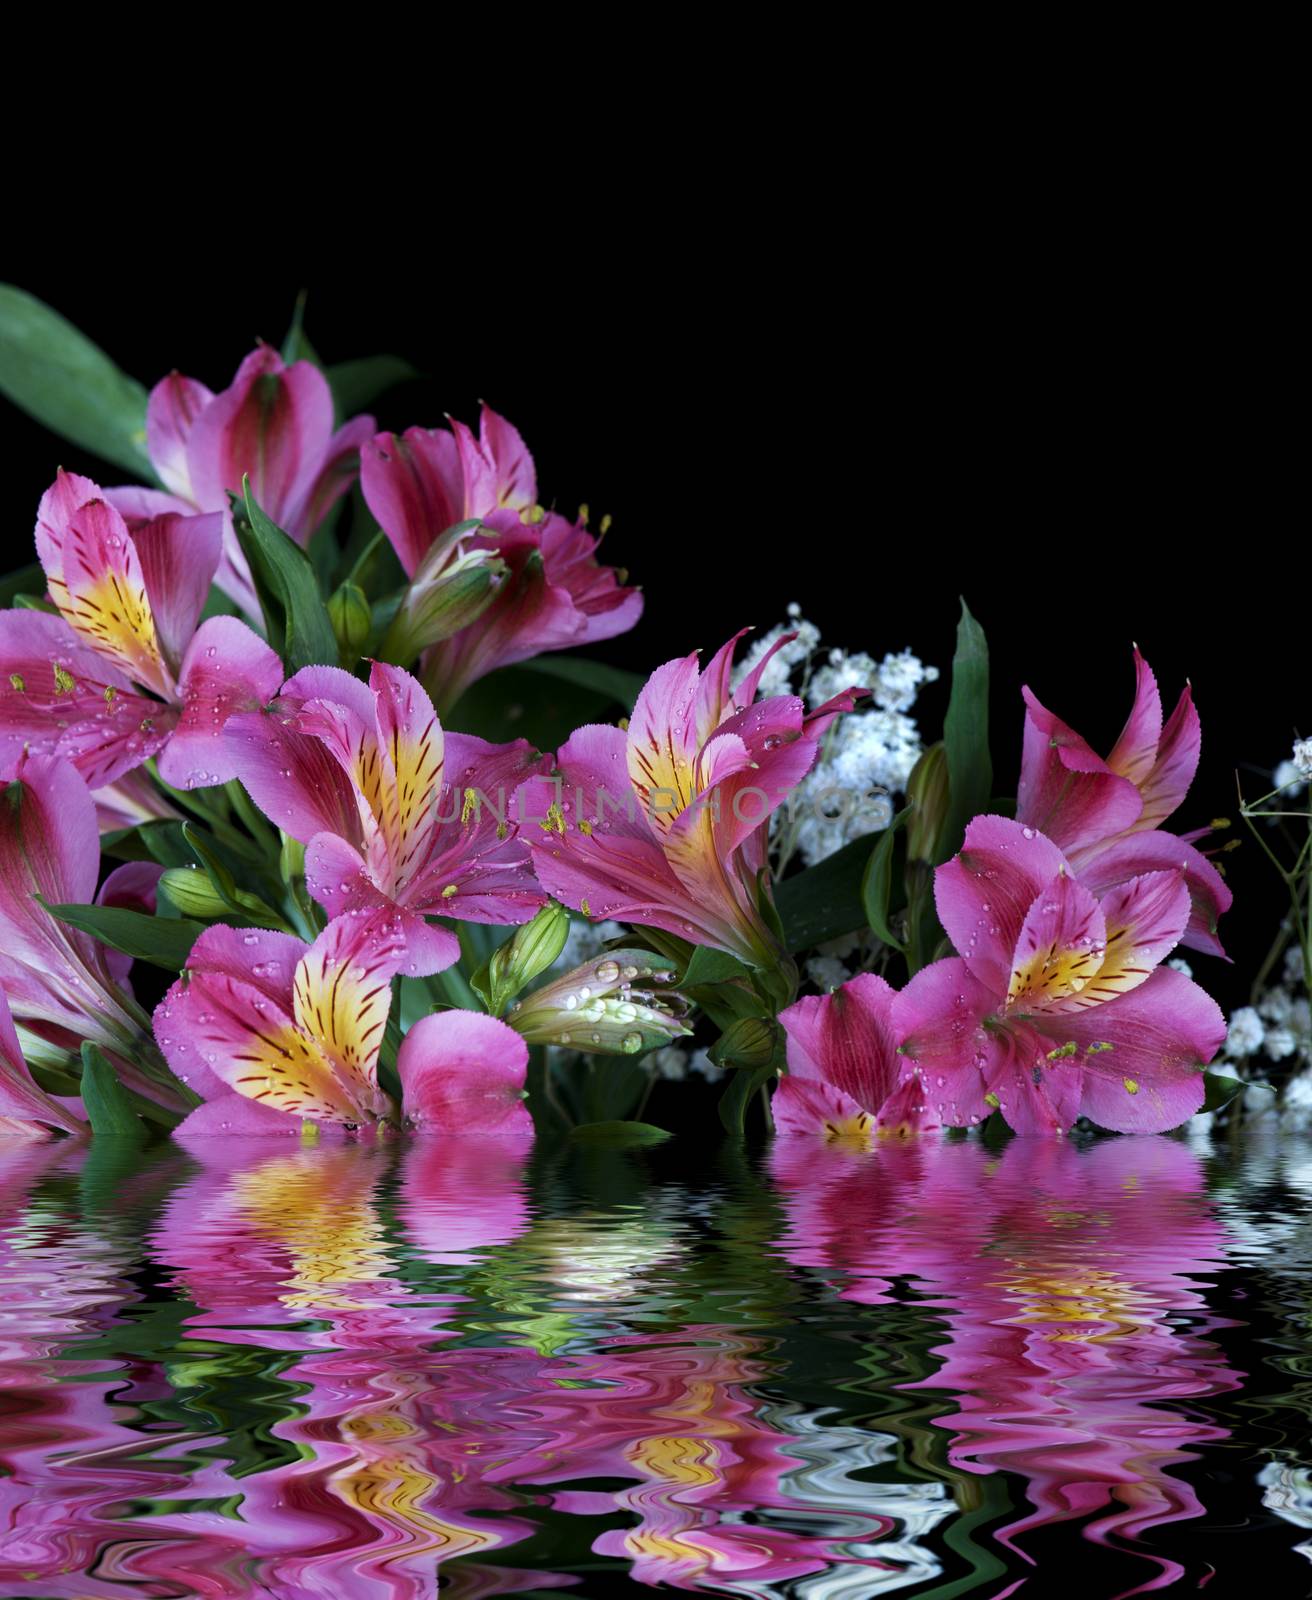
618	1004
352	620
928	805
189	889
748	1042
451	588
525	956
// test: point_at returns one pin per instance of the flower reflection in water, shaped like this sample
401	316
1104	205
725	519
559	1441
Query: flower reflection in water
1063	1277
370	1371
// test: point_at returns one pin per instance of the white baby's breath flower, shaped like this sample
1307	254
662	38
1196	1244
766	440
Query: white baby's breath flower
1303	757
1289	778
1246	1033
1280	1043
1180	965
827	972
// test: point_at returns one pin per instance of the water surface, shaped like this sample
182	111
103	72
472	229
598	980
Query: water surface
402	1370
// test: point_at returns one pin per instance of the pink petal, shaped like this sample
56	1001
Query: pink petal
1059	951
1155	851
273	424
908	1111
984	894
1066	791
341	996
476	849
175	403
1146	917
412	483
937	1020
410	737
662	739
100	723
59	505
49	844
20	1096
497	469
1136	750
102	595
1038	1095
1173	771
232	1115
846	1039
1162	1035
341	464
129	801
716	701
227	671
463	1074
179	557
337	877
292	777
812	1108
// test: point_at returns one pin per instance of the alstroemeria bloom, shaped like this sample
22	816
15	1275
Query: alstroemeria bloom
60	982
846	1082
270	1031
273	424
393	812
26	1110
665	824
123	673
555	593
1058	1004
1106	815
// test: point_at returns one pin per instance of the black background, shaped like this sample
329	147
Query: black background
1090	458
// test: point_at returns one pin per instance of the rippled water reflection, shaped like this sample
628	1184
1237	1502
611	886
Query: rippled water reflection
941	1371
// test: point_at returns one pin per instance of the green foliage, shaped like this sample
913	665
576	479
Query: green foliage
55	374
296	619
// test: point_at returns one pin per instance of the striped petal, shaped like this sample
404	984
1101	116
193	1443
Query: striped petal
102	595
341	996
1059	951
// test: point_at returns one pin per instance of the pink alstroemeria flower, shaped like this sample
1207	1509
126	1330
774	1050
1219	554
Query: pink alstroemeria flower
269	1031
555	593
1106	815
394	813
1058	1004
123	673
665	824
846	1082
26	1110
50	845
273	424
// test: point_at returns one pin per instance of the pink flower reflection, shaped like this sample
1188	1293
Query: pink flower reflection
290	1251
1058	1272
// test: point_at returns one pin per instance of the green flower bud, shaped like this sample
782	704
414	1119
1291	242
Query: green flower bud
352	621
749	1042
525	956
189	890
618	1004
450	590
928	805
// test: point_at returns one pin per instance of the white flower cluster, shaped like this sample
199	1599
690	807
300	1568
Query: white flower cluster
1277	1029
867	755
1291	776
675	1064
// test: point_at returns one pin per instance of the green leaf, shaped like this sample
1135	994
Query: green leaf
356	384
519	703
712	966
1220	1089
295	346
109	1111
743	1086
877	886
824	902
294	610
617	1135
164	941
966	733
622	687
55	374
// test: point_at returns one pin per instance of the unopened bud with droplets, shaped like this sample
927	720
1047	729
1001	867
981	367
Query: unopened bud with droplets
524	956
619	1004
